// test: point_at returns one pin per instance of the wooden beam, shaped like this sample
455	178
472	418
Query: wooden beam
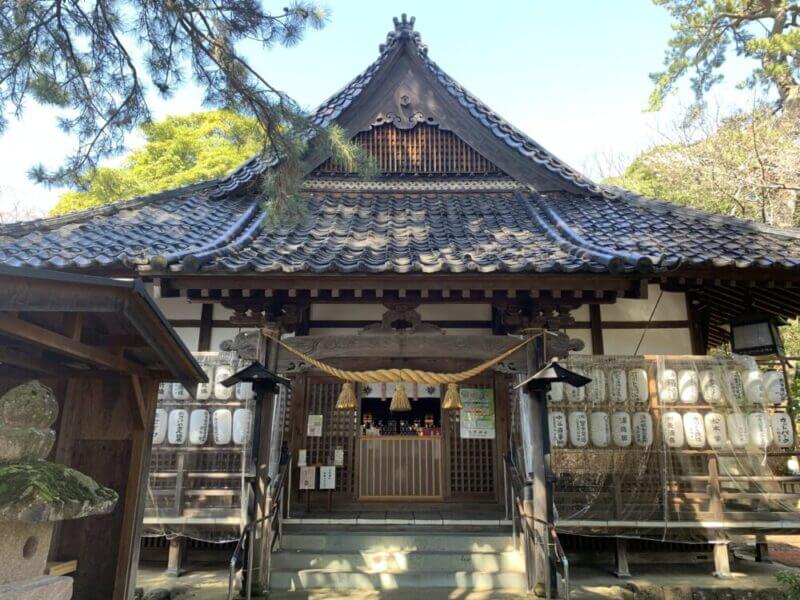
597	329
138	403
55	342
35	362
206	325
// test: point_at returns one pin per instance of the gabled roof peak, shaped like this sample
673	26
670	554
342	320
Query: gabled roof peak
404	30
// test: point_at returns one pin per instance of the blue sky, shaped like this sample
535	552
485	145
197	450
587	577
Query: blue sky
573	75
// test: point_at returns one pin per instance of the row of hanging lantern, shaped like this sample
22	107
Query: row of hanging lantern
213	390
612	409
400	401
179	426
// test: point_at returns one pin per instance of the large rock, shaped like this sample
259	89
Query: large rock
28	405
25	443
40	491
41	588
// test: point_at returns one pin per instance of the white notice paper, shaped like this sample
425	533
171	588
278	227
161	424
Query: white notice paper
327	478
301	458
338	456
314	428
308	477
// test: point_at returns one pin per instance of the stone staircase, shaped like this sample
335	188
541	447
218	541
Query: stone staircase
392	559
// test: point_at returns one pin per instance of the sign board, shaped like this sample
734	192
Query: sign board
477	414
314	428
301	458
338	456
327	478
308	478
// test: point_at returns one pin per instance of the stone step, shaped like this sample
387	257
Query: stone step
400	561
308	579
344	541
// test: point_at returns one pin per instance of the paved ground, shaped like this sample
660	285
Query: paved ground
210	582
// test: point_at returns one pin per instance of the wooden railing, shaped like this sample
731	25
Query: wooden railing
399	466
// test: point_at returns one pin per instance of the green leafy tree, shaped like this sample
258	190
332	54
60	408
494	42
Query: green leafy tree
707	31
177	151
94	61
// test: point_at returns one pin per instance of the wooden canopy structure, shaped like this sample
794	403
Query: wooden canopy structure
103	346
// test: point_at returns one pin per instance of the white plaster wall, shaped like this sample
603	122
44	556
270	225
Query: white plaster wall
179	308
190	336
455	312
581	313
672	307
656	341
345	312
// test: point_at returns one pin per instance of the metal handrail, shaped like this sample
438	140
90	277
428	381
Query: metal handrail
530	534
275	490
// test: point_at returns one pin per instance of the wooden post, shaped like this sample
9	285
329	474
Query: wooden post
621	569
177	551
722	567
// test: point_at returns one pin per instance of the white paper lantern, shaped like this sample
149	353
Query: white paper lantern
618	386
204	389
179	392
672	428
242	421
244	390
596	388
600	429
758	427
164	390
198	427
775	387
668	387
782	430
688	386
160	427
736	387
694	429
716	431
638	387
178	423
222	423
578	429
576	394
556	392
710	386
221	373
558	429
643	429
753	386
621	431
737	429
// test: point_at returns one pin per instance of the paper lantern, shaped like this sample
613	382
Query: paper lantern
575	394
668	386
198	427
578	429
753	386
221	422
775	387
244	391
688	386
618	386
758	428
556	392
557	421
204	389
600	429
638	387
672	429
716	432
176	429
179	392
164	390
736	387
621	432
710	386
782	430
242	422
694	429
596	388
737	429
643	429
160	427
221	373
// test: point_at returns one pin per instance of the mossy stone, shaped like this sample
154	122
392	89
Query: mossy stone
31	404
25	443
38	491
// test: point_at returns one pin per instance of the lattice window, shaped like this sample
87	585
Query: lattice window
472	461
423	150
339	428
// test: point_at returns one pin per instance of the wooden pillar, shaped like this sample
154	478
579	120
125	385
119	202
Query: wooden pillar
177	552
722	567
